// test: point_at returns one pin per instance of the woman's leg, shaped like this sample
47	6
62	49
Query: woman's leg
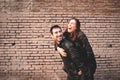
69	77
75	77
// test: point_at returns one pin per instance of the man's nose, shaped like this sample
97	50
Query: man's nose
59	33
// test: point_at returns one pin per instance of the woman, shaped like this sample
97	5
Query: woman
74	34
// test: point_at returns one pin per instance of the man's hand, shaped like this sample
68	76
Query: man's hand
62	51
80	72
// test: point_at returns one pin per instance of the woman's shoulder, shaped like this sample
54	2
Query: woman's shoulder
81	34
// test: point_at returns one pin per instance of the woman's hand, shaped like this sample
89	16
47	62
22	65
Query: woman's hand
62	51
80	72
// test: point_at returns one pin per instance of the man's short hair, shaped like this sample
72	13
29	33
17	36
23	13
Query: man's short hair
54	26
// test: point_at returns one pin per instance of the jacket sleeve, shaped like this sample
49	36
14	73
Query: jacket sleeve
73	53
91	62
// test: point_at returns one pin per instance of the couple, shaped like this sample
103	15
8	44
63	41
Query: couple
75	50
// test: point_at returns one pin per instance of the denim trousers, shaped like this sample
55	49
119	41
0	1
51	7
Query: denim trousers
77	77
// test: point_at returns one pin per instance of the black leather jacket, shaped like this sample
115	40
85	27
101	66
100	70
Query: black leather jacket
83	44
91	62
76	58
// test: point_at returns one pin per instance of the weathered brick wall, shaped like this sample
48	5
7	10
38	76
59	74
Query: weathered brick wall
26	48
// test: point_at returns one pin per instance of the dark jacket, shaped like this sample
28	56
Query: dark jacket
76	58
84	45
91	62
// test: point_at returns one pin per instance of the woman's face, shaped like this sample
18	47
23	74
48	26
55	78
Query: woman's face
71	26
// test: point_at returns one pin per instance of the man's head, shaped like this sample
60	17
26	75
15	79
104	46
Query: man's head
56	33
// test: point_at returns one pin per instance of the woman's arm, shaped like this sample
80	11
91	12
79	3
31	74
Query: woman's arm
61	51
90	54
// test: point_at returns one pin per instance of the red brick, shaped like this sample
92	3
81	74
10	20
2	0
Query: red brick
26	47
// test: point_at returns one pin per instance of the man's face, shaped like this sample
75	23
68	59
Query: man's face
57	34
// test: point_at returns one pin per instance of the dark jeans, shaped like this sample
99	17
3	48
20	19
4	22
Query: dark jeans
77	77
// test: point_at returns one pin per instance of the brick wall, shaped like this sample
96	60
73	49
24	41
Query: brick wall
26	48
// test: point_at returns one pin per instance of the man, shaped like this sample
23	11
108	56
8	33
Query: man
72	58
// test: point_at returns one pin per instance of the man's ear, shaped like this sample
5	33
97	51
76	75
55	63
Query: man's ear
52	37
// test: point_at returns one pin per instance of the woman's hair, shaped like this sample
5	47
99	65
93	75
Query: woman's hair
73	36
